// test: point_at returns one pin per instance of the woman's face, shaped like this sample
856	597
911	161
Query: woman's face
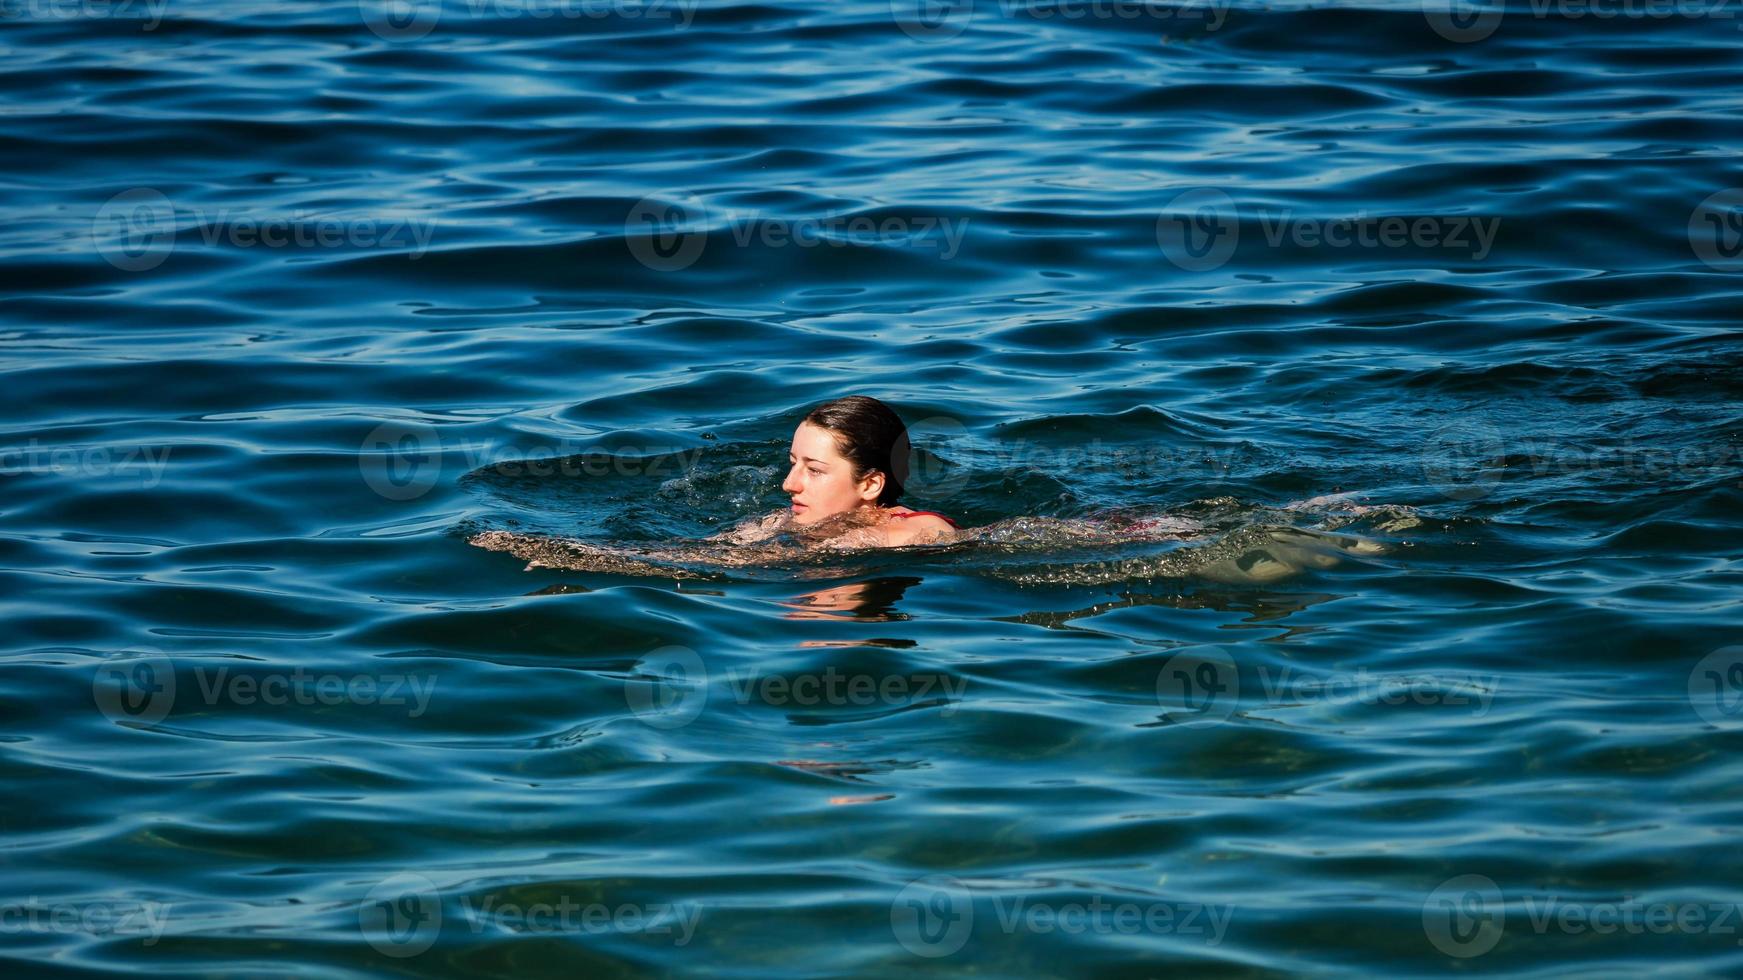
820	479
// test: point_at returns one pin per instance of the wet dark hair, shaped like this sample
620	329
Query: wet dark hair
871	436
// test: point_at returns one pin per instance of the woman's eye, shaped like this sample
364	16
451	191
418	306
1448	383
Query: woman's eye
816	472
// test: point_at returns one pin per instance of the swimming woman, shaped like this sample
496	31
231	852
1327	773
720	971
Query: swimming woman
845	471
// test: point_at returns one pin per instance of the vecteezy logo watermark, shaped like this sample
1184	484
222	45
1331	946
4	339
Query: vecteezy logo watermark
401	916
931	474
110	920
667	231
1198	687
141	685
669	688
404	460
1464	916
939	449
1468	458
400	20
401	460
86	461
149	12
1199	230
932	916
410	20
1716	230
1464	460
1468	21
1716	687
1464	21
932	20
942	20
935	917
135	685
1214	12
136	230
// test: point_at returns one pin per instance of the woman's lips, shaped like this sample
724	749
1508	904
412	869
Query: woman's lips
797	506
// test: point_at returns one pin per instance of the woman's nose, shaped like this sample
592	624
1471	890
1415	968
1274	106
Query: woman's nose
791	484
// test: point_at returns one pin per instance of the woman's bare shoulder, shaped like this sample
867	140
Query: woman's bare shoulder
920	529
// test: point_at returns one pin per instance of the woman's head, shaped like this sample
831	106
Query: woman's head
848	453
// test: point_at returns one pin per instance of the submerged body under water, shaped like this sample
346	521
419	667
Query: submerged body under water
1239	546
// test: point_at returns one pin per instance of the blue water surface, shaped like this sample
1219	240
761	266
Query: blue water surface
1423	318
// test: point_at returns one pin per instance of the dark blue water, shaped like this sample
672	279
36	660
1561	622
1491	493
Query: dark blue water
299	298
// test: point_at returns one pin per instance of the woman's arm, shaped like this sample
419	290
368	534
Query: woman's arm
752	529
573	555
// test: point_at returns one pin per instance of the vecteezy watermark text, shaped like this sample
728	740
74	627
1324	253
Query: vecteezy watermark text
106	919
1469	457
669	231
1472	692
1211	12
405	460
1204	685
565	915
670	686
1465	457
1466	916
86	461
941	20
144	685
148	12
409	20
935	916
1469	21
839	230
307	688
137	230
1201	229
680	11
402	916
1455	232
941	450
832	687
